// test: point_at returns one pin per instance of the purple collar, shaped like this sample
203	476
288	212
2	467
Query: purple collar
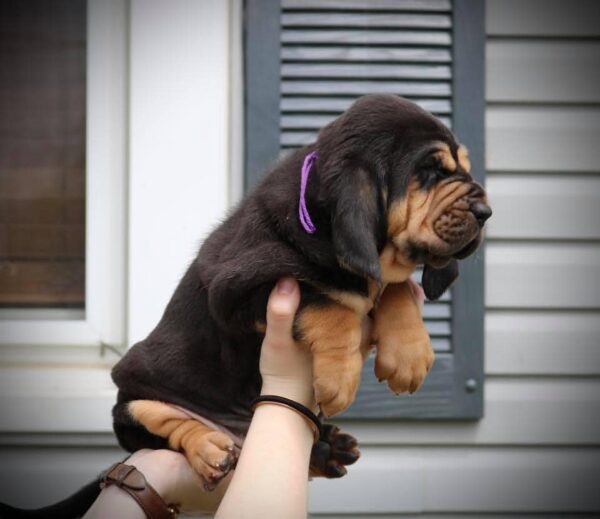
305	220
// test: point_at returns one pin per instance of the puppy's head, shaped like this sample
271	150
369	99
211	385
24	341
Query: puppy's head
397	179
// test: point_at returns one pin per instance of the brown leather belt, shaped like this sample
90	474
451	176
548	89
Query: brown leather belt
132	481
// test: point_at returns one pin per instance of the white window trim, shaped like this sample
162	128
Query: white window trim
183	135
104	320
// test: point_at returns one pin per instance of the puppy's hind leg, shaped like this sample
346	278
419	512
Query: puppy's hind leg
211	453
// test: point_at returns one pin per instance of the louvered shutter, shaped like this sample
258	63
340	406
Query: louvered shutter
306	62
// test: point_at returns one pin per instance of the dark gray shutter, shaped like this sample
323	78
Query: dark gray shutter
327	53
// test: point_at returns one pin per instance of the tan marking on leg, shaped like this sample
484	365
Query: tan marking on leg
260	326
333	333
463	158
210	453
404	352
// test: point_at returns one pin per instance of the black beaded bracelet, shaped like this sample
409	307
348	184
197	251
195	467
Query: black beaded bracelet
312	418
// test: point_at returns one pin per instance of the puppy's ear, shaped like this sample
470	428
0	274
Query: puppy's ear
356	224
436	281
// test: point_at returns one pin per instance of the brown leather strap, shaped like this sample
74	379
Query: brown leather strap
132	481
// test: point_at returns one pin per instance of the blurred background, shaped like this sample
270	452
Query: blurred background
128	128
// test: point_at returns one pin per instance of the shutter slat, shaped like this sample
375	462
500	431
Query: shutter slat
368	54
370	5
367	71
372	20
358	87
439	328
435	310
309	122
338	105
366	37
440	345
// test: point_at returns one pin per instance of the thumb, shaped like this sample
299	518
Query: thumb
281	309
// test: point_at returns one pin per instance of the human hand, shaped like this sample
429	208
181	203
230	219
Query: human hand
177	483
285	366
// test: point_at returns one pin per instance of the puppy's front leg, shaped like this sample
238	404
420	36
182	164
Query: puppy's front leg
404	352
333	333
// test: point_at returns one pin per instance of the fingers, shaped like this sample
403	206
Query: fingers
281	309
285	366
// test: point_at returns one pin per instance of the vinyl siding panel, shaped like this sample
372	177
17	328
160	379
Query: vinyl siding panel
519	410
543	275
533	206
543	18
543	138
465	480
522	70
537	342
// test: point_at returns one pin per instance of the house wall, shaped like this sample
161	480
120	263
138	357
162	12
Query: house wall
537	448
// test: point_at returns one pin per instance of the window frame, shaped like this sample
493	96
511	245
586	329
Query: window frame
103	321
454	388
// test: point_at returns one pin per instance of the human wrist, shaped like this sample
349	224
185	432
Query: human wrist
294	390
284	418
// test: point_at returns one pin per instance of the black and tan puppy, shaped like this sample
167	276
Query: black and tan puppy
389	190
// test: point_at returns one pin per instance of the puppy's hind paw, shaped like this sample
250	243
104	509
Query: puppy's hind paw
332	453
212	455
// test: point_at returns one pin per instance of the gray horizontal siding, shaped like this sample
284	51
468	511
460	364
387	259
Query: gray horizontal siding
535	71
575	19
543	131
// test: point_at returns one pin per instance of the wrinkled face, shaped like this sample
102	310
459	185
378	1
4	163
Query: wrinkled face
440	214
400	193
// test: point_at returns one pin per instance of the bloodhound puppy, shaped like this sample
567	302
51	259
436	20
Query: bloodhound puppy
384	189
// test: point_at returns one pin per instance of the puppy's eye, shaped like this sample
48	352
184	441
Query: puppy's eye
429	176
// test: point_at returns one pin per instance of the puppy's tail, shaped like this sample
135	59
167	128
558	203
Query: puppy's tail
72	507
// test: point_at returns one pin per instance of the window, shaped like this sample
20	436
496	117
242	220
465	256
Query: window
62	176
305	63
42	154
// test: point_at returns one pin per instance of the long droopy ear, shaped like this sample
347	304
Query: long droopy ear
436	281
356	224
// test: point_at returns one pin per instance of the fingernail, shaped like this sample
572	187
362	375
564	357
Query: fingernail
285	286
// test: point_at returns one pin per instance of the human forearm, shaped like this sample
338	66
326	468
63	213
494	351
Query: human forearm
271	478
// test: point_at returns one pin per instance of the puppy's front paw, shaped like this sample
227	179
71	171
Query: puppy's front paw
404	364
212	455
336	381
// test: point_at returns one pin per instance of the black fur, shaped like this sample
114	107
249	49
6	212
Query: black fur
203	355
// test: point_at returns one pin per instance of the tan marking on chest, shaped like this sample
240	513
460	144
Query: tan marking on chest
394	267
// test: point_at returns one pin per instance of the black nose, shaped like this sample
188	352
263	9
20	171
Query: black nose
481	211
